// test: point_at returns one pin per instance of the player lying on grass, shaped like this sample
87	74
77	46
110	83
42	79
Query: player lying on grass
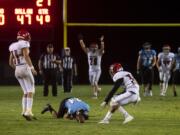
130	94
70	108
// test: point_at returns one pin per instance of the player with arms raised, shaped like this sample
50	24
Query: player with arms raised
94	60
129	95
165	64
20	60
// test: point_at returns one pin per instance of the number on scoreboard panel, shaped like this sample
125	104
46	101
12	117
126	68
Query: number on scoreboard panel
39	3
2	17
43	18
30	15
21	19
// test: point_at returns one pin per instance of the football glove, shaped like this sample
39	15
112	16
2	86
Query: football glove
80	36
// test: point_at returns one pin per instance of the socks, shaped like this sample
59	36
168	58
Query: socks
108	116
161	88
29	105
24	105
165	86
123	111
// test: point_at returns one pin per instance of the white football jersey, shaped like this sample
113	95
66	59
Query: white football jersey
16	49
128	81
94	59
166	60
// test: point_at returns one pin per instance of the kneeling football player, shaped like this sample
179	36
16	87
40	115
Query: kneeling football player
130	94
70	108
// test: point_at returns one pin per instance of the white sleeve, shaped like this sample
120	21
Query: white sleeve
10	48
117	76
25	44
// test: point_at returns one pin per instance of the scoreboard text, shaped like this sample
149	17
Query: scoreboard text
38	12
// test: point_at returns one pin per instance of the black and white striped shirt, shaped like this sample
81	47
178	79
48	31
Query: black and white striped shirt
46	60
68	62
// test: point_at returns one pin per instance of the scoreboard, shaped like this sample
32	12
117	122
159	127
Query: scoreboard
27	13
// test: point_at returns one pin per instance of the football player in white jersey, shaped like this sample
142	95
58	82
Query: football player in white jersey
94	60
130	94
20	60
165	64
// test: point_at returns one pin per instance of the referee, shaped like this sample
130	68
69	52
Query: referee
48	67
69	67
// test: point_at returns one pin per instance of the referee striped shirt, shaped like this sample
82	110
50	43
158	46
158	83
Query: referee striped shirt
46	60
67	62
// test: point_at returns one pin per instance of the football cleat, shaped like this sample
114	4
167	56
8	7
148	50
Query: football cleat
34	118
128	119
27	117
150	93
94	97
104	122
48	107
162	95
175	94
145	94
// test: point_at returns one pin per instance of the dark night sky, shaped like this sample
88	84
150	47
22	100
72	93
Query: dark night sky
122	44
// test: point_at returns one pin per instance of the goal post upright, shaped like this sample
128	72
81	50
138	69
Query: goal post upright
65	23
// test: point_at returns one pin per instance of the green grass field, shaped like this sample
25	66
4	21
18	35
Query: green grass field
153	116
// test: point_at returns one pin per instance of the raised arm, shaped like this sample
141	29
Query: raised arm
83	46
102	44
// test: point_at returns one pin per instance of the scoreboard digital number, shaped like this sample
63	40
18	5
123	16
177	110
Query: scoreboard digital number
26	12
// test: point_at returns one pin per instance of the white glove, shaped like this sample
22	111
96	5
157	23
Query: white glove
103	104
